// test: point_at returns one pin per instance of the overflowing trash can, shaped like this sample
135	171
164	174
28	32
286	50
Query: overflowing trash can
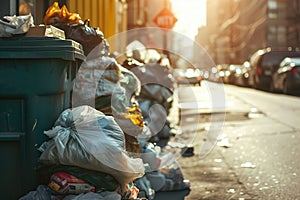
36	82
76	124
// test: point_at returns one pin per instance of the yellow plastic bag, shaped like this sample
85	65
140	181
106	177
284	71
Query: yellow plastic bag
55	15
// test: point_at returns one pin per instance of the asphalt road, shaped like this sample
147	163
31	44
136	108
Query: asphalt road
253	138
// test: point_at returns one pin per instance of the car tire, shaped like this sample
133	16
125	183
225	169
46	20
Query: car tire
256	84
285	88
272	87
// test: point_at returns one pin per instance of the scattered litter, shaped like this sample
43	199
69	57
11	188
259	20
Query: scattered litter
256	184
176	144
264	188
15	25
224	142
248	165
188	151
255	113
217	168
217	160
231	190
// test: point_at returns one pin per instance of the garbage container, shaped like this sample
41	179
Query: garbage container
36	81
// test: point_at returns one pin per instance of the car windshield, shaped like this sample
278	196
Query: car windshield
273	58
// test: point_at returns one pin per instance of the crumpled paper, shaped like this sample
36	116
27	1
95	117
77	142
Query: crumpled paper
15	25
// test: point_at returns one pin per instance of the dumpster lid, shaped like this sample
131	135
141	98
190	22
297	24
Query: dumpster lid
40	47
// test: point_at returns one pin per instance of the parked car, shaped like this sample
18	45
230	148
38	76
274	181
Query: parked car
223	72
242	75
235	70
188	76
287	77
264	63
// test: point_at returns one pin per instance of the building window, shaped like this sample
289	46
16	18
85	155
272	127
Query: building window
281	35
272	30
282	10
271	38
272	33
277	34
272	5
298	7
272	15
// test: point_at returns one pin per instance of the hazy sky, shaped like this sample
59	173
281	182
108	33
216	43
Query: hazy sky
190	14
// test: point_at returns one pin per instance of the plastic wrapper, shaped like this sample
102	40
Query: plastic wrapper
15	25
64	183
100	180
131	192
86	138
135	115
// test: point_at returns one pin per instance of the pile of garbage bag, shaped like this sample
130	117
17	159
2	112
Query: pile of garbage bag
105	146
156	96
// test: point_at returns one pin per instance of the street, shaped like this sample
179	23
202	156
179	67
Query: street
256	155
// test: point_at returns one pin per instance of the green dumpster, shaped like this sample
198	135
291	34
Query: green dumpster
36	81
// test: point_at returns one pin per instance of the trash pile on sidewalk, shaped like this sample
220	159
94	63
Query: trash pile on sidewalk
105	147
156	92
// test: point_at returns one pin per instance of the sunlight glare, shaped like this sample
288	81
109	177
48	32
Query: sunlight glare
191	15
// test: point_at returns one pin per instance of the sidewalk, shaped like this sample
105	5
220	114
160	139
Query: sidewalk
210	177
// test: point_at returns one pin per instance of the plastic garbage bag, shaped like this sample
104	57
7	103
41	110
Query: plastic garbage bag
174	177
157	93
42	192
89	37
154	73
130	82
109	66
144	186
118	99
74	27
55	14
131	63
95	196
15	25
150	156
97	79
85	137
157	180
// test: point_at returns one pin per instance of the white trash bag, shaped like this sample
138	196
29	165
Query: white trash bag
85	137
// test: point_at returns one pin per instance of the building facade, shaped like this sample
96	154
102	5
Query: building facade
237	28
110	16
